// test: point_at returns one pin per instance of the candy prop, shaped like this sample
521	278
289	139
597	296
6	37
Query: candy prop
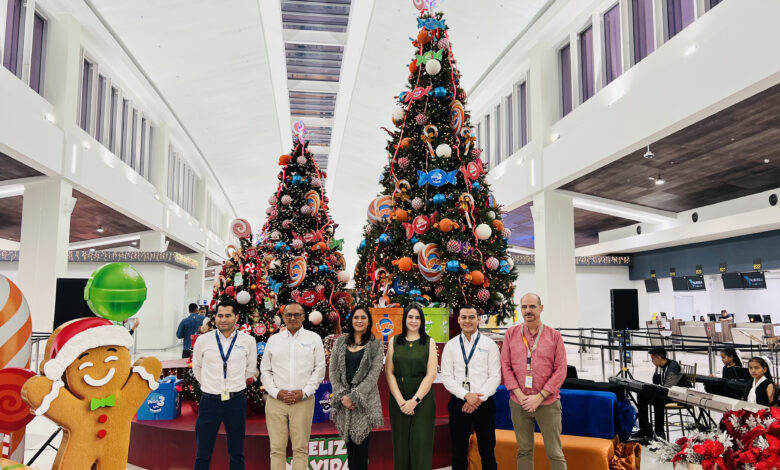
437	177
241	228
429	133
402	188
457	117
296	270
115	291
419	225
473	170
429	262
466	204
419	4
299	128
313	200
468	138
380	209
15	326
14	412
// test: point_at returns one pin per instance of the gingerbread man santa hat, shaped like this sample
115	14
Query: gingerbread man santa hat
78	336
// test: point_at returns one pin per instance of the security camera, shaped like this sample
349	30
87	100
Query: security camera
648	154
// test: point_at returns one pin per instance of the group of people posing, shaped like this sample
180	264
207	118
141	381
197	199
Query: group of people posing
531	364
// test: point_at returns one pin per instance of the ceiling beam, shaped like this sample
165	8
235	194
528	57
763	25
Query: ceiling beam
315	37
271	16
312	85
95	242
624	210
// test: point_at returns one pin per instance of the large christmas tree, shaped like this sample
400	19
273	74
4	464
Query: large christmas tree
242	279
434	233
303	258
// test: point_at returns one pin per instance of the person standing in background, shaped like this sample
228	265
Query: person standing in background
188	327
533	366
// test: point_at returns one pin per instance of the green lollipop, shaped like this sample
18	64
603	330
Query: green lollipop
115	291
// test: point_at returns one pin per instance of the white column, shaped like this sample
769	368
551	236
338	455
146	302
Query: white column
556	281
62	73
152	241
159	160
196	278
43	249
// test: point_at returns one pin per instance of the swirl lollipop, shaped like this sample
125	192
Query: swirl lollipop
230	250
429	262
241	228
297	271
380	209
457	117
419	4
14	411
313	200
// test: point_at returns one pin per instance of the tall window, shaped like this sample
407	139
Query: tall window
712	3
642	22
479	134
124	129
86	95
486	144
12	56
36	65
134	142
498	155
612	57
587	76
509	139
522	111
101	105
182	182
565	68
679	14
143	164
112	110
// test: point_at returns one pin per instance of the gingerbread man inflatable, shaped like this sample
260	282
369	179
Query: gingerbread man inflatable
89	387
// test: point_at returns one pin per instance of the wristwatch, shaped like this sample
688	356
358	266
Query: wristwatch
416	398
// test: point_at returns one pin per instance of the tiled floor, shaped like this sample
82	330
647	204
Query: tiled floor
590	368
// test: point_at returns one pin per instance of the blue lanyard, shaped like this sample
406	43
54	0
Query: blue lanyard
463	351
222	352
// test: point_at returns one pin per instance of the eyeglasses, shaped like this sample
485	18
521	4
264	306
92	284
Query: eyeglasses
293	315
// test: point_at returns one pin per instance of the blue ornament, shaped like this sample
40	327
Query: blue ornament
439	92
323	268
401	287
438	199
453	266
362	245
297	179
402	96
430	23
414	240
279	246
414	292
476	185
274	285
385	239
260	348
437	177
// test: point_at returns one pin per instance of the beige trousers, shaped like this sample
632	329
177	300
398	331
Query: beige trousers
549	419
289	421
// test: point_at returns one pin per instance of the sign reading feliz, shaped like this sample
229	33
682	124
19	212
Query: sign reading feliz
328	453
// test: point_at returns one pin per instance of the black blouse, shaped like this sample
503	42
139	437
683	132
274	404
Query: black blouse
352	361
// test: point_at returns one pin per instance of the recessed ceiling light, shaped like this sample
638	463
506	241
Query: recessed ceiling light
91	249
100	229
134	243
766	160
660	180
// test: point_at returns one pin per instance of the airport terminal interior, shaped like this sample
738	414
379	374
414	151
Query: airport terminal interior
620	159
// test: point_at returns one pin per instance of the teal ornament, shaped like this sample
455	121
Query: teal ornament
402	96
385	239
453	266
476	185
440	92
116	291
438	199
362	245
414	240
297	179
322	268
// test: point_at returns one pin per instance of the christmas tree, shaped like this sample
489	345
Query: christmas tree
434	233
242	279
303	258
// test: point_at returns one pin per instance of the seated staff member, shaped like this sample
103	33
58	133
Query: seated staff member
669	374
471	372
761	389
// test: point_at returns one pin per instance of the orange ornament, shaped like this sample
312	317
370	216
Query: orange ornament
413	66
498	225
401	215
423	37
319	246
477	277
446	225
406	142
405	264
285	159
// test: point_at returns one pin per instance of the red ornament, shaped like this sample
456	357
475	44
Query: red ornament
245	328
403	162
334	316
453	246
260	329
483	295
421	119
492	263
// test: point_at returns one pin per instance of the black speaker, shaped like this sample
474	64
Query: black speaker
625	309
69	302
695	217
773	199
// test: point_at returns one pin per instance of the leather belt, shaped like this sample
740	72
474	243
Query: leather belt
219	397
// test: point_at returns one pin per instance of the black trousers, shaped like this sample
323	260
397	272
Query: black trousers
357	454
186	353
646	399
213	412
483	419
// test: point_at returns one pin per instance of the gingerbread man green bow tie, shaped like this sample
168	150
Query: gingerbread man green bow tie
96	403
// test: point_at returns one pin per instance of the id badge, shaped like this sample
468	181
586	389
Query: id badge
529	381
225	395
467	386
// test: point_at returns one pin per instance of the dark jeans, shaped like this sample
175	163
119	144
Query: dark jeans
186	353
212	412
646	399
357	454
484	421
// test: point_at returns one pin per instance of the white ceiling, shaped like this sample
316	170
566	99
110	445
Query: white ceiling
210	60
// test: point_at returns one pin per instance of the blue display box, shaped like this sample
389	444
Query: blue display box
322	403
163	403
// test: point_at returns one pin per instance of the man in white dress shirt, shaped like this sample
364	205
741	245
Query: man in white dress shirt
471	372
223	362
292	368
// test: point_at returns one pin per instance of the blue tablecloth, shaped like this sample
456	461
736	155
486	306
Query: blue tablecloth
585	413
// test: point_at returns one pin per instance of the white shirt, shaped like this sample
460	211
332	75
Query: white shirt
293	362
484	366
207	362
751	398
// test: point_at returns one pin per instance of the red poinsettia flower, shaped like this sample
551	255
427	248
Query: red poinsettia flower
678	457
748	455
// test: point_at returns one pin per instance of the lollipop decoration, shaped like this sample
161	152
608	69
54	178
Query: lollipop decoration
116	291
457	117
468	138
14	412
296	270
429	133
313	201
380	209
429	262
299	128
241	228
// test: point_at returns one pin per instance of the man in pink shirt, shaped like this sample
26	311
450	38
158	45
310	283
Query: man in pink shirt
533	367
